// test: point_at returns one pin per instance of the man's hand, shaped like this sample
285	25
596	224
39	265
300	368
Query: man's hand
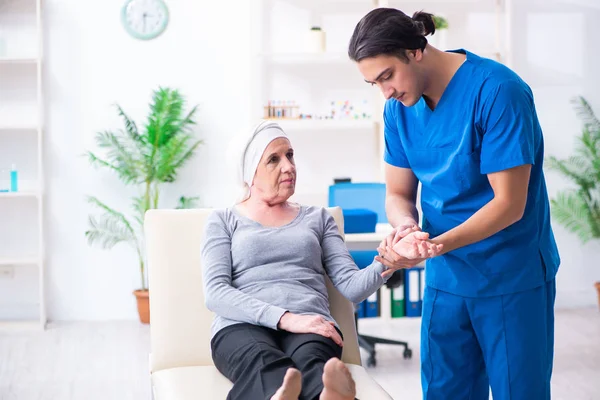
296	323
411	249
398	233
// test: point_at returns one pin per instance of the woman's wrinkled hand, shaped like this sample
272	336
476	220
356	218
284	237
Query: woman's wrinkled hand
410	247
296	323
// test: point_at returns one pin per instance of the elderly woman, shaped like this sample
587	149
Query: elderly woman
264	264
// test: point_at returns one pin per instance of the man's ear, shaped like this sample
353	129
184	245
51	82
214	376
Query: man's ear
415	55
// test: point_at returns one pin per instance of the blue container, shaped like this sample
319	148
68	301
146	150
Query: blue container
13	179
359	220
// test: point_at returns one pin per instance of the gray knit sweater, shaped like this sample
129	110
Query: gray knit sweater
254	274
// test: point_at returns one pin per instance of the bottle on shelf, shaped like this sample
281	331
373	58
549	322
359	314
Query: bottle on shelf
13	179
281	109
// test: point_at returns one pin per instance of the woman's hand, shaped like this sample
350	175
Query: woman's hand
411	249
296	323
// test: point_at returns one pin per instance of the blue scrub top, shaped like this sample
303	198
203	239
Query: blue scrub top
484	122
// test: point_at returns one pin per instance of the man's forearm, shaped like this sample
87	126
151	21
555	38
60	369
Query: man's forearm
401	211
490	219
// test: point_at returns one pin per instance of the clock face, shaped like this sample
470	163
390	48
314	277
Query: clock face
145	19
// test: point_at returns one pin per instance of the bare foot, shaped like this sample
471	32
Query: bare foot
338	382
291	387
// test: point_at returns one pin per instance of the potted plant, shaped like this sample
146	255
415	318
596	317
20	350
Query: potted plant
316	40
439	38
440	22
578	209
148	159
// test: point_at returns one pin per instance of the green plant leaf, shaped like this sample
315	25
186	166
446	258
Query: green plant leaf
575	168
108	231
139	206
585	112
113	214
165	116
97	162
121	156
589	148
130	126
440	22
174	156
571	211
187	202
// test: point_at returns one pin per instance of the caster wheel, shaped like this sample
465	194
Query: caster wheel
371	362
407	354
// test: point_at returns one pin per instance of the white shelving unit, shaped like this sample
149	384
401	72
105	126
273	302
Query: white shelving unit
22	289
284	70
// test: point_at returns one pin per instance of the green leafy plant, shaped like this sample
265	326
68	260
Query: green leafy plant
147	159
578	209
440	22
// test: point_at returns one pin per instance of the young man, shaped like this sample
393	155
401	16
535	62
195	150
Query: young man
467	129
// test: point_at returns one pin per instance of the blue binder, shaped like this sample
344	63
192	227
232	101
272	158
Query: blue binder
372	305
360	309
413	291
369	308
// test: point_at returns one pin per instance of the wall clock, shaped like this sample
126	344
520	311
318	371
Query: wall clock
145	19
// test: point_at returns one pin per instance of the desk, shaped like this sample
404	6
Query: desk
368	241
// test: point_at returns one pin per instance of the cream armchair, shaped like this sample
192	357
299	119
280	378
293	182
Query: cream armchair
181	366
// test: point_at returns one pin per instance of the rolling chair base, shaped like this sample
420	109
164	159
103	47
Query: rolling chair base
368	343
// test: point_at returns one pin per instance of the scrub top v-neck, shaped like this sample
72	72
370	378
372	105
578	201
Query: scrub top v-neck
425	114
485	122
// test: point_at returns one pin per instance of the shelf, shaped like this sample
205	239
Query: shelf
22	105
26	60
17	325
23	193
19	261
325	124
308	58
581	3
18	127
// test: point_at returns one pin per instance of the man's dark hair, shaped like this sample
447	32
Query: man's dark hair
388	31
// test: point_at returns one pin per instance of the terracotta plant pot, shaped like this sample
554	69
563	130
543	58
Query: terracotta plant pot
597	284
143	305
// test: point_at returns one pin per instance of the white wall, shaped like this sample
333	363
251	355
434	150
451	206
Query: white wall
91	63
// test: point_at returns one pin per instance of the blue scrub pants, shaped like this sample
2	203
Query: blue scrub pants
471	344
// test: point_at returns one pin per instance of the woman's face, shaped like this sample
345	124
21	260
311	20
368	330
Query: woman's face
275	178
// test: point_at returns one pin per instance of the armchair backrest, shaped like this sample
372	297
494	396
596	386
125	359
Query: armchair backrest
179	321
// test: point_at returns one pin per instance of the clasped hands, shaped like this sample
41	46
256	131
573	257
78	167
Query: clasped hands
406	247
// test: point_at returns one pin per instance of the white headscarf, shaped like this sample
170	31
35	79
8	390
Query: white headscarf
252	149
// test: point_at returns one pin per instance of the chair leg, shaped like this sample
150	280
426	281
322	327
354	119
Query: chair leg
368	343
370	348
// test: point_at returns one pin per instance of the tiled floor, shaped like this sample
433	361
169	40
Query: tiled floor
88	361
